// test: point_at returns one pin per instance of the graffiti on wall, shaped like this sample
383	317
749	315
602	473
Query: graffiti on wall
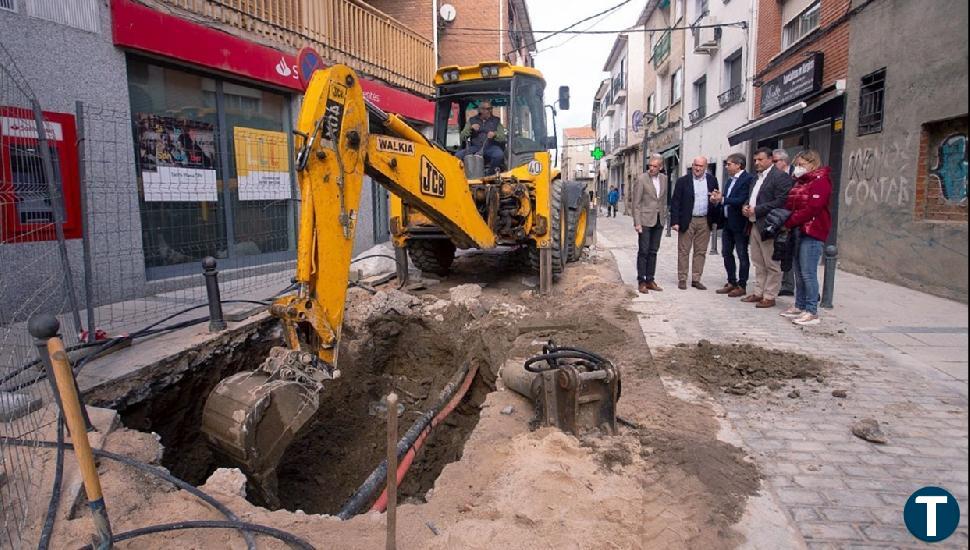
880	174
951	168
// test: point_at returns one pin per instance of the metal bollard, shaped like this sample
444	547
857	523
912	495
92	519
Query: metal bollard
216	321
714	251
828	283
46	327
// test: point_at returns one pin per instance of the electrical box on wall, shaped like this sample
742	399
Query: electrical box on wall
26	206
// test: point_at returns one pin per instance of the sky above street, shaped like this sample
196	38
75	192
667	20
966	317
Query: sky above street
576	60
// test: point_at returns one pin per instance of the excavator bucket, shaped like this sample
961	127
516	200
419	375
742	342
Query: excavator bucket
251	417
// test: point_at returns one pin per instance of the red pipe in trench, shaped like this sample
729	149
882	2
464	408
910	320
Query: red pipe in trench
408	458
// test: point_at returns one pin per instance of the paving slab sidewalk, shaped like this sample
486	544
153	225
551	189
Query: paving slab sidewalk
902	359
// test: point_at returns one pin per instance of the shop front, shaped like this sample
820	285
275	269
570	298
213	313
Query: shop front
212	117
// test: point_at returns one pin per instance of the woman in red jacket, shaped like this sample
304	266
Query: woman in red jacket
808	202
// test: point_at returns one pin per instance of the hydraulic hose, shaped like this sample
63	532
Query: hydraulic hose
377	478
405	464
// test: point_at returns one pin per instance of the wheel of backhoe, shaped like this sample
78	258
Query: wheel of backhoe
432	255
558	230
578	225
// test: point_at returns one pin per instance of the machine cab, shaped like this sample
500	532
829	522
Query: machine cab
516	96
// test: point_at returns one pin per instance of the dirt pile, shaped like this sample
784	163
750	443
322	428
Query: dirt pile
739	368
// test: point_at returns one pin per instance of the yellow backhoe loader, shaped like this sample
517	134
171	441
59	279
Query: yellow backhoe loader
439	204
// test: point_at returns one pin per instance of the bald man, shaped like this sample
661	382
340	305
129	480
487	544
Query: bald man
691	215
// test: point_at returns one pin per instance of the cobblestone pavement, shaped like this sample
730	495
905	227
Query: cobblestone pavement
903	361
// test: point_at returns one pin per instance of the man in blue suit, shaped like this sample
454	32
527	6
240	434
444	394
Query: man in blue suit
734	238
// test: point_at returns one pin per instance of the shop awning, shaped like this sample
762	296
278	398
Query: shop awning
767	125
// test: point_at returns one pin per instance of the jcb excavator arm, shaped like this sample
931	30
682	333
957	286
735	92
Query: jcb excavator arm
251	417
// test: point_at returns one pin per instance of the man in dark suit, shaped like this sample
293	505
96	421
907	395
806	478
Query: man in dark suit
770	191
691	216
734	235
647	206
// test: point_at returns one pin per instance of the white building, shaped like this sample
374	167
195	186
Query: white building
622	99
577	156
717	70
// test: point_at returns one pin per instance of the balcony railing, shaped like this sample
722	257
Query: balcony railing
697	114
730	97
661	120
342	31
661	50
618	86
619	138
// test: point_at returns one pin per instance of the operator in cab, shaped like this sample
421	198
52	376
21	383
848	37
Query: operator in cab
484	135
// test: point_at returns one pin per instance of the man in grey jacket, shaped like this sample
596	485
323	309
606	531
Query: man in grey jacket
770	191
649	199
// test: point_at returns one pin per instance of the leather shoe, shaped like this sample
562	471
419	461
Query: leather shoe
642	287
682	285
726	289
751	298
737	292
765	303
652	285
698	285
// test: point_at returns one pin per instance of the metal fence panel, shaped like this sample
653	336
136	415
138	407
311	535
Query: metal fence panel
34	278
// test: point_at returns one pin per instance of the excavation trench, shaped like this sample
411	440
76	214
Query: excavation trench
411	353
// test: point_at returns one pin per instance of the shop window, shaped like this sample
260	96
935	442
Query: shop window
801	25
26	205
941	177
80	14
871	95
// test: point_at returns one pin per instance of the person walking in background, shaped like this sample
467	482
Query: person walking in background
810	220
770	191
649	198
691	216
612	199
779	159
734	235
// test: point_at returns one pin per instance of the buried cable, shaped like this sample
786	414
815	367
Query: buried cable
376	480
147	468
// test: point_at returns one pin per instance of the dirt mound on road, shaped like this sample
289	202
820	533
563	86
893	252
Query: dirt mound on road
738	368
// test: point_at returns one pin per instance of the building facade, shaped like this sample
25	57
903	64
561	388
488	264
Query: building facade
903	200
663	64
618	111
717	69
467	32
188	141
577	155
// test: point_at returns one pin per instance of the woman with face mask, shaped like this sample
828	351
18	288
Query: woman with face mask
808	202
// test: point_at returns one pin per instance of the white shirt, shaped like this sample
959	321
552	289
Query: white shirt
700	197
753	201
656	184
730	187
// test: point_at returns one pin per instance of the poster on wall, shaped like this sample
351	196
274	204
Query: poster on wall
177	159
262	164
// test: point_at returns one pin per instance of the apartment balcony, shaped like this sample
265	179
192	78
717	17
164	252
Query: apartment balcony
661	53
730	97
342	31
619	138
697	114
618	88
662	118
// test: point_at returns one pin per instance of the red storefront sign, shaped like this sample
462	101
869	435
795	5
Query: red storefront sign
141	28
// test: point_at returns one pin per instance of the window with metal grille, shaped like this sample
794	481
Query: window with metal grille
802	24
80	14
8	5
871	95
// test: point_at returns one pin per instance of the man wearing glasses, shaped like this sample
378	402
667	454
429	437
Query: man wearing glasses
484	135
779	158
734	237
